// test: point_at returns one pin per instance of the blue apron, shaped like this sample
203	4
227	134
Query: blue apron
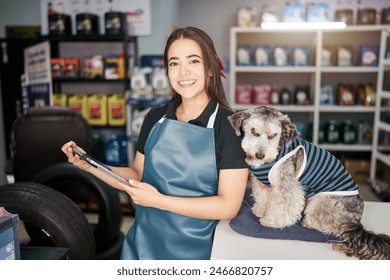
179	161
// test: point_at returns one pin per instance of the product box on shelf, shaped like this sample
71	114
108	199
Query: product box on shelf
263	55
294	12
244	55
247	16
113	66
116	104
368	55
345	55
97	109
57	67
359	169
9	237
282	56
301	56
72	67
318	12
244	94
93	67
262	94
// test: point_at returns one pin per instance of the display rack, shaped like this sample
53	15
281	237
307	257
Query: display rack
315	75
380	151
81	46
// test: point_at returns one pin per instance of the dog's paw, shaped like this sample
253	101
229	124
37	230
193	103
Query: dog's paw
279	221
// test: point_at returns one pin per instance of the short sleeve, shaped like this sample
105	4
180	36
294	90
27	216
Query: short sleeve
231	155
151	118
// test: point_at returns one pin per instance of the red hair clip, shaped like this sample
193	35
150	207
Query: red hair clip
221	67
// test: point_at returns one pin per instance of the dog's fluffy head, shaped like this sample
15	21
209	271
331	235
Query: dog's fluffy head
265	129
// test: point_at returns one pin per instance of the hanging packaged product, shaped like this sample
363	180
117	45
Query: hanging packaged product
59	99
97	109
116	109
78	103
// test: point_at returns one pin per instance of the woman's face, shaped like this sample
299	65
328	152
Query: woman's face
186	68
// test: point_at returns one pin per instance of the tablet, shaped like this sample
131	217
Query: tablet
101	166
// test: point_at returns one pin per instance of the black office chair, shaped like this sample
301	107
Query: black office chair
36	156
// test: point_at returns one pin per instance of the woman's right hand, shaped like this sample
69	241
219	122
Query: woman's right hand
67	148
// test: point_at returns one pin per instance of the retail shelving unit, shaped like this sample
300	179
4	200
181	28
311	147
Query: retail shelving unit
381	128
79	46
315	75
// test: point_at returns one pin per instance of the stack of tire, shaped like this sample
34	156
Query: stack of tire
49	209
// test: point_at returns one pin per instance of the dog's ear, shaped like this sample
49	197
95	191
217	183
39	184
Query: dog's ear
289	130
237	119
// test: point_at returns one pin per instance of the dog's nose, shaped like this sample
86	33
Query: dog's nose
260	155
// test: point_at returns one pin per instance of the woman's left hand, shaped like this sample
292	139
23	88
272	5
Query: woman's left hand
144	194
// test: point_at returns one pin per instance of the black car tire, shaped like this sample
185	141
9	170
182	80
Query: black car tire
81	186
55	219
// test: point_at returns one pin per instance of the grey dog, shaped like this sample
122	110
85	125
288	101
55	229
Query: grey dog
294	180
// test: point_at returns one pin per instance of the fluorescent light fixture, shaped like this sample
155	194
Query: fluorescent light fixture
303	25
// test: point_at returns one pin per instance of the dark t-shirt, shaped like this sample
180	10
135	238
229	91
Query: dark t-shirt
228	151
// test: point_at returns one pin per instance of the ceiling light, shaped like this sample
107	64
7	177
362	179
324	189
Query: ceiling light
303	25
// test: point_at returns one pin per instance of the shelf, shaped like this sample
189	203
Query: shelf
382	110
383	157
147	102
283	108
347	147
91	38
385	94
89	80
350	109
80	46
384	126
275	69
350	69
315	76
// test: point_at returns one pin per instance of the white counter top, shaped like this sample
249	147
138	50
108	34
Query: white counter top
229	245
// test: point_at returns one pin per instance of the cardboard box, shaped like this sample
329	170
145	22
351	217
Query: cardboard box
359	170
9	236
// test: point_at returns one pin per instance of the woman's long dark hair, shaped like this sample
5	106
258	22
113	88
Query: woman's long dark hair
214	85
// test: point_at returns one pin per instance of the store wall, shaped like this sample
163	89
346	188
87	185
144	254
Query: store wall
2	146
214	16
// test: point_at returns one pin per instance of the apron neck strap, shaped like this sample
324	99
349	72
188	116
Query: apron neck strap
210	124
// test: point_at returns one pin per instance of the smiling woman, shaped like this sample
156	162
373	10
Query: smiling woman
178	205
